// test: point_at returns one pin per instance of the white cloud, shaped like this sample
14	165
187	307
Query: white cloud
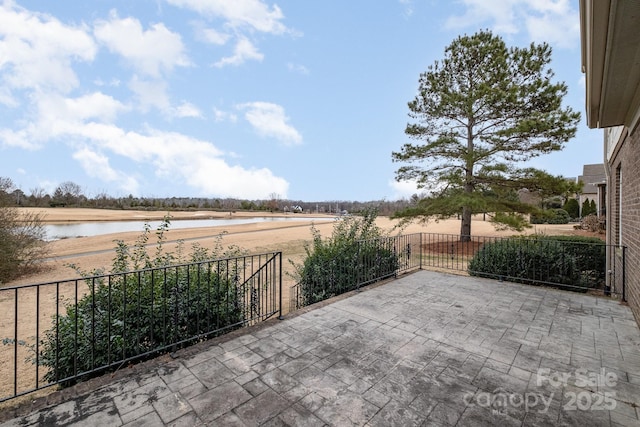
408	7
270	120
254	14
7	98
244	51
94	106
553	21
224	116
150	51
174	156
18	139
212	36
404	189
297	68
557	22
37	50
113	82
150	94
186	109
56	114
97	165
179	157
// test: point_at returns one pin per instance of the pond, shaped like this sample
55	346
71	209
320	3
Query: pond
78	229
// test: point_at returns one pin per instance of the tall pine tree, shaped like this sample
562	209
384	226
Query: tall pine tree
479	112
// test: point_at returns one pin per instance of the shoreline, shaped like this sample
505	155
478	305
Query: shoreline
95	252
72	215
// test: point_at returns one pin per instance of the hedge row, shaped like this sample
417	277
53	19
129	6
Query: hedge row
569	262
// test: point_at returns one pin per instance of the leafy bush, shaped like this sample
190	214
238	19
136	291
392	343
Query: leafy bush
551	216
22	234
357	253
136	313
573	261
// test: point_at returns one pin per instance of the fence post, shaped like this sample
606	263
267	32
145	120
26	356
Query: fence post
420	251
280	317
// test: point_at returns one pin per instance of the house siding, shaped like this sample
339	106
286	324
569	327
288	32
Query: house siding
623	219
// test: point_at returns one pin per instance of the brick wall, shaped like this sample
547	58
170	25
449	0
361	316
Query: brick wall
625	166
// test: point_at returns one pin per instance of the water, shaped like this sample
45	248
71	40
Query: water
65	231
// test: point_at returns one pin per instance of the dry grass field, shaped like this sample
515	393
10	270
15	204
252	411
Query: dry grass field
97	251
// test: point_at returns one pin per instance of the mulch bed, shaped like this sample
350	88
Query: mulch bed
452	247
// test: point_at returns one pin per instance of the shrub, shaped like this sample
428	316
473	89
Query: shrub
573	261
356	253
22	234
551	216
142	312
588	208
592	223
572	207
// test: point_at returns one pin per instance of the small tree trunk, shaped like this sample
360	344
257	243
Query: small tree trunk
465	225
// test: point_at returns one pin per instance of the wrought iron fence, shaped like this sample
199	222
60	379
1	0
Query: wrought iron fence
62	332
557	262
359	264
65	331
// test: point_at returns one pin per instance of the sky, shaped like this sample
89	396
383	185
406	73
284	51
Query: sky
244	99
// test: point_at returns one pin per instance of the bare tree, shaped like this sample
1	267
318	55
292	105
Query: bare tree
68	193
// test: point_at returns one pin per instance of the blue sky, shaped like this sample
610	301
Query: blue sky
243	98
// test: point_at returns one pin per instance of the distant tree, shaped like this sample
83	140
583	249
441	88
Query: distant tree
37	196
478	112
273	204
67	193
552	190
22	235
572	207
588	208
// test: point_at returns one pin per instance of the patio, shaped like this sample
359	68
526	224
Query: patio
426	349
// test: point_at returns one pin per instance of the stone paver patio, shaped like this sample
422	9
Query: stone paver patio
426	349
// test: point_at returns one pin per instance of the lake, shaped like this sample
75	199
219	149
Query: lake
78	229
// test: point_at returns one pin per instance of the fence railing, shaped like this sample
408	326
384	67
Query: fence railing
548	261
365	262
555	261
65	331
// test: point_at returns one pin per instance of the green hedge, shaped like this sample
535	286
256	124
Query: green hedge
569	262
149	303
551	216
357	253
138	313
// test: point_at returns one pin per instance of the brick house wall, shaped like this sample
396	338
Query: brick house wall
623	213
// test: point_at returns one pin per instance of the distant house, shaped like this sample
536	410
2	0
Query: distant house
610	39
594	179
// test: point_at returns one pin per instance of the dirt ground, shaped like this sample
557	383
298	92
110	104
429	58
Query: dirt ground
90	253
94	252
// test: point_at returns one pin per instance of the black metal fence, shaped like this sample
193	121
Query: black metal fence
554	261
360	264
65	331
557	262
62	332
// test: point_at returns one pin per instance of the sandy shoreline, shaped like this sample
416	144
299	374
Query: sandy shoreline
94	252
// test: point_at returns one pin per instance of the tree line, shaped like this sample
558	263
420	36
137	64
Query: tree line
71	194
